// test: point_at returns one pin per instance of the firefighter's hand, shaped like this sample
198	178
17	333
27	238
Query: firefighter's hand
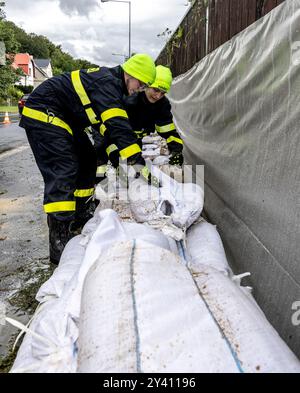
176	159
150	179
142	171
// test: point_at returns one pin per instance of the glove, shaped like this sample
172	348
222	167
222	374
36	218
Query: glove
151	179
176	158
100	173
137	163
114	158
141	169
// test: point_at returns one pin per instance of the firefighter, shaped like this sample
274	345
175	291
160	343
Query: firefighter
55	116
148	111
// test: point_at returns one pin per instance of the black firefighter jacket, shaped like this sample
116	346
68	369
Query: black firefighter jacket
76	100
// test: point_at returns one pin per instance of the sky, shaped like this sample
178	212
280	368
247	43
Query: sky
96	31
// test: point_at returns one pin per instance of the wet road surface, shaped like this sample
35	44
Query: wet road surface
24	262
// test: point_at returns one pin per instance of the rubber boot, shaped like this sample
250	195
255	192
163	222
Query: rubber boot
85	208
59	235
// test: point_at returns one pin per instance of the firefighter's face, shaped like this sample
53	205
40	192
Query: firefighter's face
154	94
134	85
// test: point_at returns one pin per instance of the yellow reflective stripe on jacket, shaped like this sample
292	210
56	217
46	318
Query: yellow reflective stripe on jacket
111	148
113	112
174	139
91	115
166	128
78	86
102	129
101	170
140	134
130	151
43	117
64	206
92	69
84	193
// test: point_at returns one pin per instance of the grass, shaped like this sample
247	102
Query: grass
10	109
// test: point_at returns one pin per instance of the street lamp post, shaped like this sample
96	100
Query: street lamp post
122	55
129	4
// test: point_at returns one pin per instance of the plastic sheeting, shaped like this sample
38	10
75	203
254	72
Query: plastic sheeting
238	112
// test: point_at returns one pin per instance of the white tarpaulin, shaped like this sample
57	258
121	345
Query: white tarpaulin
239	113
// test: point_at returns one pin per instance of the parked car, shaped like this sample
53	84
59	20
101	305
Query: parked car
21	103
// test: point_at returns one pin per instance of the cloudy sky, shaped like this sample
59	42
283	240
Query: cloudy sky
93	30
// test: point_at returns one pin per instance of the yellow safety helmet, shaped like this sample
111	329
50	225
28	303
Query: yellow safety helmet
141	67
163	78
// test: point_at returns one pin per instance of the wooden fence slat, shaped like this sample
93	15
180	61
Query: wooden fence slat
226	19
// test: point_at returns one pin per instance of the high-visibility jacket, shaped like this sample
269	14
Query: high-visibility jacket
82	98
146	117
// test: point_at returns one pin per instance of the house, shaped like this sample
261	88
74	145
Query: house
25	62
35	70
45	66
39	75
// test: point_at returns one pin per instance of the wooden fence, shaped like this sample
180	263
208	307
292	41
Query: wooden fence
209	24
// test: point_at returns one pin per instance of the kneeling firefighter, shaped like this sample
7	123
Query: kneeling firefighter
148	111
55	116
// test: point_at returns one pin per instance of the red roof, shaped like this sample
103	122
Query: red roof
22	60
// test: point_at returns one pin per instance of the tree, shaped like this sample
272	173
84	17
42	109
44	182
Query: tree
8	36
8	76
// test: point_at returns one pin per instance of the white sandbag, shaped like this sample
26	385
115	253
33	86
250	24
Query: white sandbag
151	153
70	261
150	146
150	235
182	202
174	172
186	200
160	160
257	345
151	139
205	247
50	345
141	312
145	201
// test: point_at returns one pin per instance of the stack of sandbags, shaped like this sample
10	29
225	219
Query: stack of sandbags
50	344
144	311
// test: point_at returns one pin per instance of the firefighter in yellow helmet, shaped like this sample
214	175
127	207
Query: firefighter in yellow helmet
148	111
55	116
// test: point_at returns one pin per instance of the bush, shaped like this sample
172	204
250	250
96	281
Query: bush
15	93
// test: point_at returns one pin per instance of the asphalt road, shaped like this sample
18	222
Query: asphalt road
23	230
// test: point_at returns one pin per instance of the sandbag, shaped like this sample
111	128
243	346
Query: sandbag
150	146
183	203
141	312
205	248
257	345
161	160
51	343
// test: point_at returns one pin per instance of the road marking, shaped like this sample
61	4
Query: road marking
13	151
